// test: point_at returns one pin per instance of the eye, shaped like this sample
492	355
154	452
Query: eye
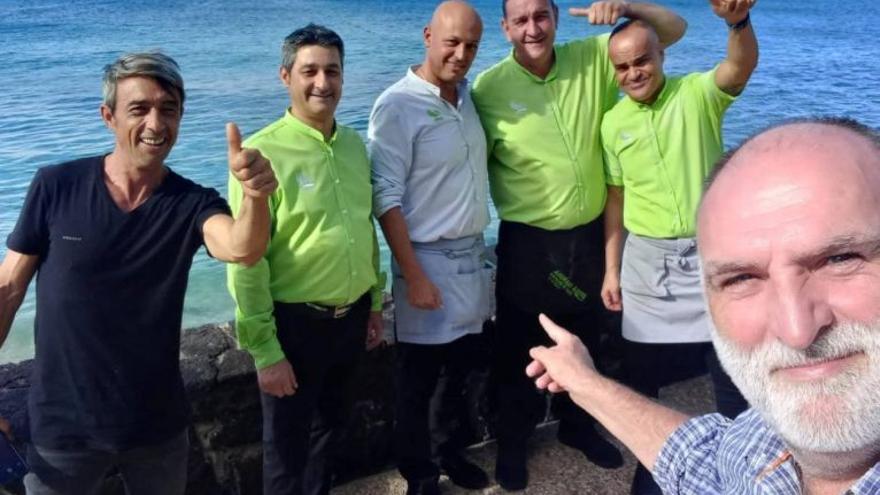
842	258
735	280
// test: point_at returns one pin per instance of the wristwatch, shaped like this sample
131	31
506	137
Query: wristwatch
739	26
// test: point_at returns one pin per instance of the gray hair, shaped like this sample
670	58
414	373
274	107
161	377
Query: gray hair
153	64
312	34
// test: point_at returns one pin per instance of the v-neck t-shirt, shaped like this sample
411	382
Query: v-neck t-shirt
110	291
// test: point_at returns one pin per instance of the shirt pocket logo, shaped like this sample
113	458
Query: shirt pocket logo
518	107
304	181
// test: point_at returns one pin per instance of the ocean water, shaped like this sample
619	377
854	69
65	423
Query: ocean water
815	59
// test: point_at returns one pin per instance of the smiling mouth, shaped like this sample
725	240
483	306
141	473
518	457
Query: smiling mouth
817	369
153	141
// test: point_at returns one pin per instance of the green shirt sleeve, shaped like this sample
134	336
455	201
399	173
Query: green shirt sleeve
715	99
249	287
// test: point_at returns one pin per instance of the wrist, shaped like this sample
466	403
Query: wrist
740	24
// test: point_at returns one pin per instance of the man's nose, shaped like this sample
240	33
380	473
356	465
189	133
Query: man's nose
154	120
800	312
533	28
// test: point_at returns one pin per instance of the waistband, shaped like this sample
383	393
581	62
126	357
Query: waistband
460	244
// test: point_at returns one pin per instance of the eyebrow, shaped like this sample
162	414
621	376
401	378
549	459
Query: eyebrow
869	243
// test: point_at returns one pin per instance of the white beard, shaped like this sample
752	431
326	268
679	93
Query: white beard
837	414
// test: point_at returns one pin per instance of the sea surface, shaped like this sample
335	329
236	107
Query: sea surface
816	58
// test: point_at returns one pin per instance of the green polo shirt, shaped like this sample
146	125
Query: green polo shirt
545	159
323	243
661	154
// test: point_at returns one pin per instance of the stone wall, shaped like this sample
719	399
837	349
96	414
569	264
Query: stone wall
226	454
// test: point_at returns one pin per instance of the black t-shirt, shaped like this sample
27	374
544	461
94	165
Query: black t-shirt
110	289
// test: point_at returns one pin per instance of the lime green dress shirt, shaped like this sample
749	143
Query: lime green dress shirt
662	153
323	242
545	158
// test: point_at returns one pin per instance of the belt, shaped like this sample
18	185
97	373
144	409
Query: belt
320	311
334	312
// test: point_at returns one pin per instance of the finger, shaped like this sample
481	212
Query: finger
233	139
579	11
537	353
555	388
543	381
535	368
555	332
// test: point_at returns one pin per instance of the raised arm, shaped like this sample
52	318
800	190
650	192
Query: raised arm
243	239
16	273
670	26
640	423
742	46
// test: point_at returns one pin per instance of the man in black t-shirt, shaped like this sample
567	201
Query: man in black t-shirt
111	239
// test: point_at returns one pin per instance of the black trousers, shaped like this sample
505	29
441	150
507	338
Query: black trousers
299	430
432	417
652	366
558	273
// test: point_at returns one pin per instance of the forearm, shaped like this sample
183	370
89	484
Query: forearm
670	26
377	292
640	423
397	234
10	300
741	60
613	220
16	273
249	232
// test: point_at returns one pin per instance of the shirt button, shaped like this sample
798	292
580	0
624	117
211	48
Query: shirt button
337	181
351	241
345	212
354	273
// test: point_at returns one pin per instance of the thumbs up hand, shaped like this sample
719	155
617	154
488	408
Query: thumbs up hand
249	167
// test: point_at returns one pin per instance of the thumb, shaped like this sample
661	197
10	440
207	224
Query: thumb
233	138
555	332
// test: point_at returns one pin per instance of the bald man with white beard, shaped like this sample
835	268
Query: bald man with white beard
790	236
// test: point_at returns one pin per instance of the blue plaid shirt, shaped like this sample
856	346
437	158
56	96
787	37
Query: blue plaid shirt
713	454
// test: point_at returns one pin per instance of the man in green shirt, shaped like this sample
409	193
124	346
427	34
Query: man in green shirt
541	109
306	310
661	141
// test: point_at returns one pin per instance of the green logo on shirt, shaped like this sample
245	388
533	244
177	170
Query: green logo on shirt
435	114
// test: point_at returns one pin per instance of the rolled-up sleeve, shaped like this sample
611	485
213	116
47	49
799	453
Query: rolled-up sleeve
390	147
688	460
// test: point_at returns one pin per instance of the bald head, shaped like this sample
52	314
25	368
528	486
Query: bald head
455	11
637	56
818	148
451	42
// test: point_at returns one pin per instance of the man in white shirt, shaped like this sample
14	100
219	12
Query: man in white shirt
428	155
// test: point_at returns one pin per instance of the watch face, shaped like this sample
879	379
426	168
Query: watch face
12	466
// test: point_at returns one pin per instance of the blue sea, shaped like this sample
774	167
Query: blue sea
816	58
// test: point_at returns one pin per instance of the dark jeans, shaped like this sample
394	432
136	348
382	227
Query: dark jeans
558	273
432	410
298	430
146	470
650	367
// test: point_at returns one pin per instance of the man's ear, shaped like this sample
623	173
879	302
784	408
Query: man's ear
107	115
426	35
284	75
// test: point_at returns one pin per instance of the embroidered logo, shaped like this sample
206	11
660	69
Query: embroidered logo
518	107
435	114
304	181
72	238
625	136
563	283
